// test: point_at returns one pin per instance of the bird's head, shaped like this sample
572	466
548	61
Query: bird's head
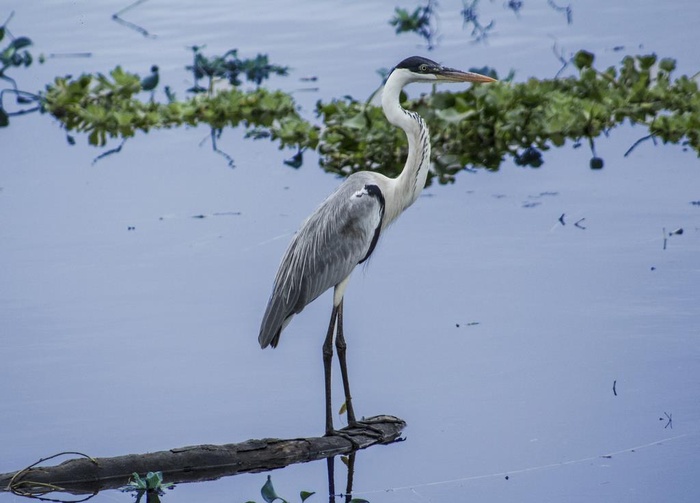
419	69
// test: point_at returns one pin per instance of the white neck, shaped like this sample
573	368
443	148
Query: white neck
408	185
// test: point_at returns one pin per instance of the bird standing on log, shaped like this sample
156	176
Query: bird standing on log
344	230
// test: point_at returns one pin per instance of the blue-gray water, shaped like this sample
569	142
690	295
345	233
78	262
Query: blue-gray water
116	341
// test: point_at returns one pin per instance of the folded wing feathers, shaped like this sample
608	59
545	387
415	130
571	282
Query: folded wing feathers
324	251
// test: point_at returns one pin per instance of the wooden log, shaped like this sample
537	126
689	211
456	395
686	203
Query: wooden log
199	462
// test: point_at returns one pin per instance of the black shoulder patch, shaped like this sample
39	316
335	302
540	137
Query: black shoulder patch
374	191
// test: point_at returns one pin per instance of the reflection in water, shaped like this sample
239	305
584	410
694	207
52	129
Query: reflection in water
350	463
151	497
88	475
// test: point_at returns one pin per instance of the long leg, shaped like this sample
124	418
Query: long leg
341	347
327	359
331	479
351	474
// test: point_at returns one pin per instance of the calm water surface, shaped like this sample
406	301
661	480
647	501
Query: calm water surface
493	330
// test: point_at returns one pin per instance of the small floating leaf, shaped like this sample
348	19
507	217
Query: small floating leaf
304	495
268	492
296	160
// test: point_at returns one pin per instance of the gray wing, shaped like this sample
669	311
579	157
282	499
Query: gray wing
340	234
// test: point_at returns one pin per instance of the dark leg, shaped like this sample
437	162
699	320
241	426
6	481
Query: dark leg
331	479
351	473
341	346
327	359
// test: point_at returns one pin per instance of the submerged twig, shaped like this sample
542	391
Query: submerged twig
109	152
669	423
116	17
22	98
642	139
470	16
663	229
57	55
566	10
214	135
16	484
559	54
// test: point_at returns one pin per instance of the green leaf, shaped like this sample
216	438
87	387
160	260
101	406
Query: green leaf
479	126
453	116
667	64
583	59
268	492
20	42
304	495
154	480
358	500
558	139
647	61
4	118
358	121
138	482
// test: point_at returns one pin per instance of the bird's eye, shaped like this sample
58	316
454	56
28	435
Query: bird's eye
423	68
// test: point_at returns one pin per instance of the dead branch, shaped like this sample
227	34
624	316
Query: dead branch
198	462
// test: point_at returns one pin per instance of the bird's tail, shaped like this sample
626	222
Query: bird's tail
273	323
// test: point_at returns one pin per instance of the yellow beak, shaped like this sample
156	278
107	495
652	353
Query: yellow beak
452	75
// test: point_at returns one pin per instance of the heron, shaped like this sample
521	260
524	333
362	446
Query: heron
344	230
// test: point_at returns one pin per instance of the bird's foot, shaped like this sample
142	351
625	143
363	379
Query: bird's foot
357	428
382	419
367	427
345	435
